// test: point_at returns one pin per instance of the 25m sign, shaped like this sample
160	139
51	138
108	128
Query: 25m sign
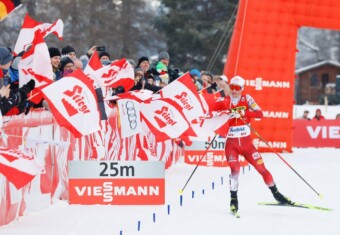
116	183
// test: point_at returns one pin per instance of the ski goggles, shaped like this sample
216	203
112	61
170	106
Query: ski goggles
235	87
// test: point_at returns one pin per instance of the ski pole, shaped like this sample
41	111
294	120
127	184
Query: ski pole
277	154
192	173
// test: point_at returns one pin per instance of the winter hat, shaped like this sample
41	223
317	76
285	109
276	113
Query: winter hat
66	60
5	55
143	58
207	73
195	72
163	55
224	78
139	69
238	81
66	50
132	62
104	53
54	52
15	62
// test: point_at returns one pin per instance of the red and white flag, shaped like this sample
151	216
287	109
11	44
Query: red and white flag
36	64
30	26
164	118
118	73
184	93
92	68
18	166
73	103
138	95
213	122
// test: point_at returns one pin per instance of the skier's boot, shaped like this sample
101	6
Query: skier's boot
233	202
279	197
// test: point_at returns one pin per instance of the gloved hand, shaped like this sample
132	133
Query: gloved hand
237	114
28	87
214	86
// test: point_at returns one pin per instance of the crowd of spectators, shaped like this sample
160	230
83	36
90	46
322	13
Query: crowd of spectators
150	75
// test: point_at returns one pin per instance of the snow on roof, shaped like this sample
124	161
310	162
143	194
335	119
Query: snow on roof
316	65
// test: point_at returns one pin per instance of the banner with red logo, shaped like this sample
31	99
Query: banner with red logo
73	103
313	133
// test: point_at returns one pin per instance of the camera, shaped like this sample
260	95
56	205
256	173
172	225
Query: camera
101	48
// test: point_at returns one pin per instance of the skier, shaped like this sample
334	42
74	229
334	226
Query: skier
238	141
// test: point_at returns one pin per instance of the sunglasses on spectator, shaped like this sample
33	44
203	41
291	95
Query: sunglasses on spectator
139	75
235	87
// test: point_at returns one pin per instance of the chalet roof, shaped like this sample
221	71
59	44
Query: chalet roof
316	65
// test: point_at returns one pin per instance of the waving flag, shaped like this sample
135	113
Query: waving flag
73	103
92	68
36	63
184	93
164	118
8	6
118	73
30	26
19	166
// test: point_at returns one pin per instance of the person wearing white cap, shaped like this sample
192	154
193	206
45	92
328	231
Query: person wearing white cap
239	142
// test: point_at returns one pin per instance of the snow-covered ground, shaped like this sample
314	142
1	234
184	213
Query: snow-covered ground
208	213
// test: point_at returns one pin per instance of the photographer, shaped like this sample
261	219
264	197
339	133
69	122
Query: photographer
141	82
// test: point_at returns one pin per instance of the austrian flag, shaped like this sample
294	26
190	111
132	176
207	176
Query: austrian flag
73	103
18	166
164	118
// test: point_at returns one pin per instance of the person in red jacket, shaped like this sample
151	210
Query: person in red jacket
238	142
318	116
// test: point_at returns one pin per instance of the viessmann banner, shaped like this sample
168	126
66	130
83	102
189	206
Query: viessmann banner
214	157
116	183
313	133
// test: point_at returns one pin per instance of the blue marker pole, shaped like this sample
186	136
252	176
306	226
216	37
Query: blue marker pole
168	209
154	217
213	185
193	194
181	200
138	225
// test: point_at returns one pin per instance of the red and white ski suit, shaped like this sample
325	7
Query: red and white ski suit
239	142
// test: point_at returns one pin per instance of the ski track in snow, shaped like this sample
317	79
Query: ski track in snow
208	213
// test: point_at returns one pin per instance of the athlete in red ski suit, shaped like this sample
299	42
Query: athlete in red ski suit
239	142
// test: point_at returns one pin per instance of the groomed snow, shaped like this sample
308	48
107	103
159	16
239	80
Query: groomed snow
208	213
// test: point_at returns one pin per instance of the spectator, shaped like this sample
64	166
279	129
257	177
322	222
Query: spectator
55	61
69	51
318	116
195	75
144	64
222	85
305	115
207	78
337	116
18	98
66	66
78	64
5	61
104	56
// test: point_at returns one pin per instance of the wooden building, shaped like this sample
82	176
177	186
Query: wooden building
312	81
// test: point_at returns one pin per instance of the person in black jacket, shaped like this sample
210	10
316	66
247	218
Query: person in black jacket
17	98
